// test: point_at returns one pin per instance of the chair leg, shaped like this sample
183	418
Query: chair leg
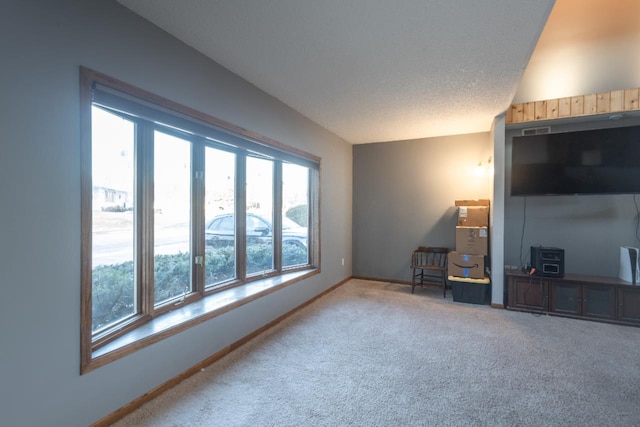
413	281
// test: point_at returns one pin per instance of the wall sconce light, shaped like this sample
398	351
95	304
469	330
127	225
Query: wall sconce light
483	168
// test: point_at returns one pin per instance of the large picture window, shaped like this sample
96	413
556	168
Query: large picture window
114	284
178	207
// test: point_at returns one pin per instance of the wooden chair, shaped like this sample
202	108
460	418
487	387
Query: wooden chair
429	265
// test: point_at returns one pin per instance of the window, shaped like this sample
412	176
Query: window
295	218
259	218
177	207
220	230
114	283
171	218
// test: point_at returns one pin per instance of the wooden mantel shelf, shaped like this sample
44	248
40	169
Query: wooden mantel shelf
615	101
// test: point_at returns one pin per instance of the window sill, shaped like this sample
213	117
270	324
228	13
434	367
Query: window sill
190	315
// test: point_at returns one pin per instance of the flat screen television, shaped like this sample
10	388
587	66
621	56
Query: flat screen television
601	161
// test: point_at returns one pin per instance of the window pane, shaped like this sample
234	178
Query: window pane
259	215
172	217
295	209
113	284
220	232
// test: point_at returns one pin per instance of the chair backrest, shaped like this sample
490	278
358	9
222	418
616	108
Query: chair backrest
430	257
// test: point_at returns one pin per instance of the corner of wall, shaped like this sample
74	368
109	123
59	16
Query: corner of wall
497	212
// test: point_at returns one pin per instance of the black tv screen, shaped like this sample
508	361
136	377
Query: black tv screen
602	161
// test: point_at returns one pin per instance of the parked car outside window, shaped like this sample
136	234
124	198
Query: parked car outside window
220	231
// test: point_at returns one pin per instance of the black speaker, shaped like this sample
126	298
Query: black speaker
548	262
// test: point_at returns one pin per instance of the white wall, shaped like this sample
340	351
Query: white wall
594	53
497	213
42	45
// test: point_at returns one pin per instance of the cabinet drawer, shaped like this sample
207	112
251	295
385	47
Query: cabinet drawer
565	298
629	304
528	293
598	302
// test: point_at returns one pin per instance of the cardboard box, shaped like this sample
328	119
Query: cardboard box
473	202
472	240
463	265
473	216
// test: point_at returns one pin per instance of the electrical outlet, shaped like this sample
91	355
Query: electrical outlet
343	261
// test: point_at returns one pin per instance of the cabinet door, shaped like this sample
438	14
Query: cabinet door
629	304
598	301
565	297
528	293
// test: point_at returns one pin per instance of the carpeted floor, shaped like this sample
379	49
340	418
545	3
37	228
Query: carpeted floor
373	354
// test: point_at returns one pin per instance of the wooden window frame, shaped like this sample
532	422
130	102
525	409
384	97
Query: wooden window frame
152	112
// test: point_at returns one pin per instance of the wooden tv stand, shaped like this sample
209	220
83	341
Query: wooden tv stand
604	299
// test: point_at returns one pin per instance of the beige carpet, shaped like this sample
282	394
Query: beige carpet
373	354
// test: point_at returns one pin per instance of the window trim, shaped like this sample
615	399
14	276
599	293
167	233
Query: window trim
129	336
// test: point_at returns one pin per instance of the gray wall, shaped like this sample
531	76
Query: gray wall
590	228
404	194
42	45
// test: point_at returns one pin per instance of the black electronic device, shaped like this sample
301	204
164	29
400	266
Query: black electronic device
547	262
598	161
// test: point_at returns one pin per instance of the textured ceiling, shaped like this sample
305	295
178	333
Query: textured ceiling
368	70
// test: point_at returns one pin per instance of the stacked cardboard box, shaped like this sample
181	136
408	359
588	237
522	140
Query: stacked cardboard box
466	264
472	239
